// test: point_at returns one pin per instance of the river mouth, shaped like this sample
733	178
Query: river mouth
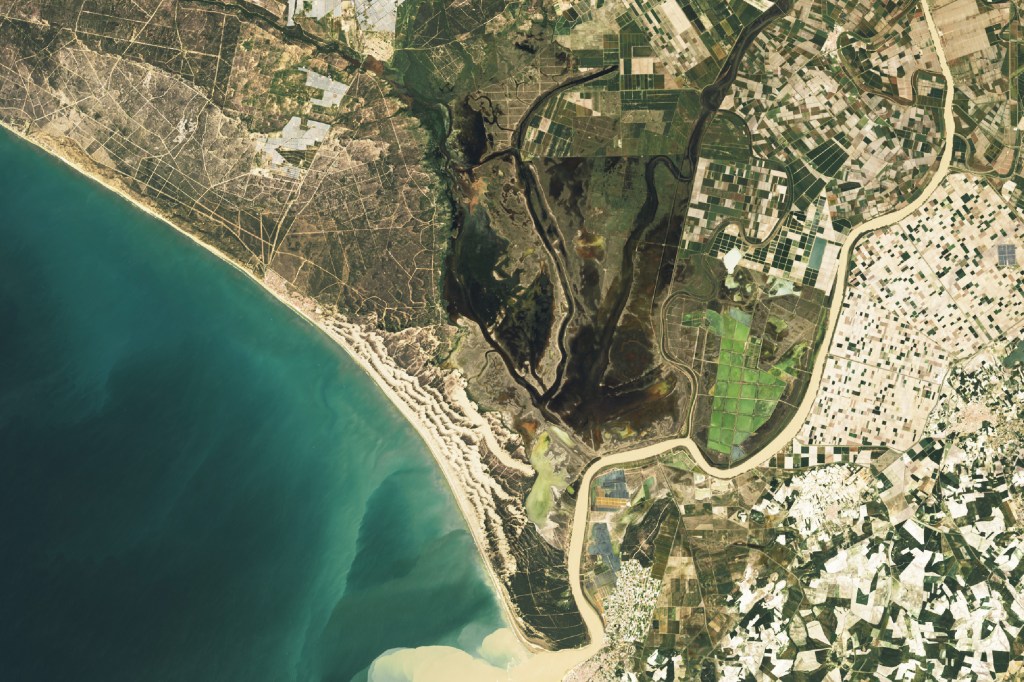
198	483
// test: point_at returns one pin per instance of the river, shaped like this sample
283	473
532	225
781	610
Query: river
785	438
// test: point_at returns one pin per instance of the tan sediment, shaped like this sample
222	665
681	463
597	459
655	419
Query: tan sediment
373	364
376	367
785	438
552	665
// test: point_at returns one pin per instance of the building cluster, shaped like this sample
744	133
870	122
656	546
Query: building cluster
893	565
627	610
627	616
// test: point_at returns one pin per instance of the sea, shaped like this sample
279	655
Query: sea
195	483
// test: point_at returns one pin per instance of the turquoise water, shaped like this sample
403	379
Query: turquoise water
194	483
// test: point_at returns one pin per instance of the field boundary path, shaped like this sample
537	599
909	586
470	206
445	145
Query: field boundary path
575	554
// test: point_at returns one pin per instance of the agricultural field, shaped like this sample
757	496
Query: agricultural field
568	229
646	200
758	575
744	396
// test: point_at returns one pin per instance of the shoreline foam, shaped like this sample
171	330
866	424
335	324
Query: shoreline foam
547	664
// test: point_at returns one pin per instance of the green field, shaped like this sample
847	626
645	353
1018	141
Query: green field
744	396
539	501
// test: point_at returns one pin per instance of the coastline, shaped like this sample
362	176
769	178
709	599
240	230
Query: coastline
306	309
432	419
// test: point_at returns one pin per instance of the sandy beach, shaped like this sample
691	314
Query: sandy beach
455	432
358	345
